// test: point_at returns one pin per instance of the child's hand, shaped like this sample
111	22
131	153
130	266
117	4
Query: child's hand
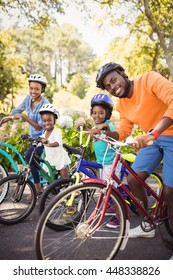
94	131
103	126
45	142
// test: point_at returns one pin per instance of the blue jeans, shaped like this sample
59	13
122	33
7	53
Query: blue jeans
34	171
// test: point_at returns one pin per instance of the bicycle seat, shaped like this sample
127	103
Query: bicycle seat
72	150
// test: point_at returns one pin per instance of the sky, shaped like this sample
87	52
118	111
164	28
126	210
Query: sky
98	39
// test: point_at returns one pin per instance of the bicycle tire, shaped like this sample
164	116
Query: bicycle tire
77	243
14	209
51	191
55	187
155	182
168	225
3	174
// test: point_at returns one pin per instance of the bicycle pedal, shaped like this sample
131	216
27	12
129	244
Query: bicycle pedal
147	226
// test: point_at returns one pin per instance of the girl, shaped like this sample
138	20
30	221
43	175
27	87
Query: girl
101	111
55	153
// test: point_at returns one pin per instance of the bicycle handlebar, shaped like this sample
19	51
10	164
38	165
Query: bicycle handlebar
103	137
6	119
129	141
35	141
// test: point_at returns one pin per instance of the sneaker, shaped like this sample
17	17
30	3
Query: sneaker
110	211
138	232
113	223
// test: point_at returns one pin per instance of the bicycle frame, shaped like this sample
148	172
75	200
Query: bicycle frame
160	205
13	163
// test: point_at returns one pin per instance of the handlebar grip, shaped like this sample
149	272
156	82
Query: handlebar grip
149	143
24	136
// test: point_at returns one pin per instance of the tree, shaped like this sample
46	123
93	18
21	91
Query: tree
10	68
70	54
152	18
77	85
38	12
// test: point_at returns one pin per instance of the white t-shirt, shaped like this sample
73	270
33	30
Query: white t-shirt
56	156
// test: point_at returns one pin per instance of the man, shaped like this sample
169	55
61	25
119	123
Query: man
147	101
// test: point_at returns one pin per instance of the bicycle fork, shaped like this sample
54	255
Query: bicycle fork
98	205
20	187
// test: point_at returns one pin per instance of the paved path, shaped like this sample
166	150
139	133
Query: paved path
17	243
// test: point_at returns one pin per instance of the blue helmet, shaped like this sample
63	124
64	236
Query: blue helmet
105	101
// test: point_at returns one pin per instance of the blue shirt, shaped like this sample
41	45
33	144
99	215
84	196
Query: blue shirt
103	154
32	114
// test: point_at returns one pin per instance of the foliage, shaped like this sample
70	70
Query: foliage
38	12
145	20
77	85
10	73
11	134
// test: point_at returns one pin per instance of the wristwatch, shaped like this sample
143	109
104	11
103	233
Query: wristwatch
154	133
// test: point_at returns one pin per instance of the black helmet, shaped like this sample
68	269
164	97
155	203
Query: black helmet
104	70
104	101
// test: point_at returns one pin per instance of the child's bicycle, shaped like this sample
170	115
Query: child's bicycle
15	205
87	234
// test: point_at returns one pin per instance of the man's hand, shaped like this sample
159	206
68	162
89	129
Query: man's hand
143	141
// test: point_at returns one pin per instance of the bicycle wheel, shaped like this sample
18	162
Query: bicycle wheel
15	206
3	174
52	190
168	224
155	182
79	242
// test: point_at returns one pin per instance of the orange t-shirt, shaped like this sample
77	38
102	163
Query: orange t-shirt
152	99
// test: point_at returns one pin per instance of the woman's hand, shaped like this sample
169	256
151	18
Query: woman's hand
19	116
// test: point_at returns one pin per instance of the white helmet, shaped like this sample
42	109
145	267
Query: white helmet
49	108
37	78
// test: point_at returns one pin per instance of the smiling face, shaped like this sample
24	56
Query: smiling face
115	84
35	90
99	114
48	120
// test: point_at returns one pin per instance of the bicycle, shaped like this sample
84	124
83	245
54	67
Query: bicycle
87	235
22	164
90	169
15	207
